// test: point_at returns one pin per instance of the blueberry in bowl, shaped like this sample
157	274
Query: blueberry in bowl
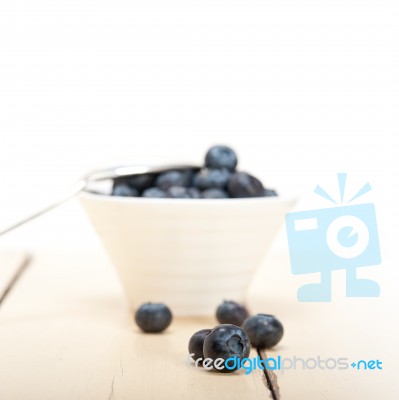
138	182
173	178
154	192
124	190
221	157
242	184
217	179
181	192
214	193
208	178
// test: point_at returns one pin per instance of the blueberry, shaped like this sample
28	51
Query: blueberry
230	312
194	193
221	157
153	317
139	182
226	341
270	193
209	178
180	192
196	343
123	189
173	178
154	192
214	193
264	330
242	184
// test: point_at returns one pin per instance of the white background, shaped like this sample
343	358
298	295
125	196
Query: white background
301	89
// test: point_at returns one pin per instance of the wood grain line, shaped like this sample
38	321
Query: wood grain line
271	378
14	279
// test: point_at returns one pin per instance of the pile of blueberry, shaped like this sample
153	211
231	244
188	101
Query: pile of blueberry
217	180
232	338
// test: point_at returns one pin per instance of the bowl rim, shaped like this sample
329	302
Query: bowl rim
151	200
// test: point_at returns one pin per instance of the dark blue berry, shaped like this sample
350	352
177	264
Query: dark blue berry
194	193
214	194
211	178
153	317
226	341
242	184
264	330
180	192
173	178
196	343
154	192
123	189
140	182
221	157
230	312
270	193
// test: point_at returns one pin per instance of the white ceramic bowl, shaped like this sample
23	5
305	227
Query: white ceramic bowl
188	253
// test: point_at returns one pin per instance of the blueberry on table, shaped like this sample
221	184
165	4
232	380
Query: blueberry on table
173	178
153	317
214	193
123	189
230	312
242	184
264	330
209	178
196	343
221	157
226	341
154	192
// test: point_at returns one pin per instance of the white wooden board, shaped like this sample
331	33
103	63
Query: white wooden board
66	333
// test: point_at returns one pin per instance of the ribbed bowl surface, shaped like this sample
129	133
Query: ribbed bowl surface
190	254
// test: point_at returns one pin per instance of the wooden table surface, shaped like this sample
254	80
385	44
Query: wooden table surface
66	333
